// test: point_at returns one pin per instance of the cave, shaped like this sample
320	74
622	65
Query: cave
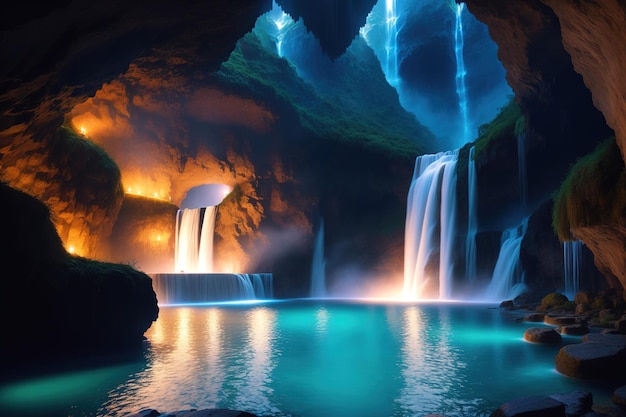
351	156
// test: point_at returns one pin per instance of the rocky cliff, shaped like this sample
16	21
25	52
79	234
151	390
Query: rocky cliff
60	306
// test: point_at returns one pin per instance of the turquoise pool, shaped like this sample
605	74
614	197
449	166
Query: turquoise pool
312	358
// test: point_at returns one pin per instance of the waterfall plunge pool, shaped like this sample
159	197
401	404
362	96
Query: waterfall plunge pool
313	358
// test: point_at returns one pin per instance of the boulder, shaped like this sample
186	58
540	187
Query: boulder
620	325
574	329
576	403
559	320
542	335
607	339
535	318
538	406
592	360
619	396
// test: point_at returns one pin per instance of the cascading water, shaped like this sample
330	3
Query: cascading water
281	20
430	227
391	44
572	255
507	281
472	221
461	89
318	267
194	239
202	288
195	279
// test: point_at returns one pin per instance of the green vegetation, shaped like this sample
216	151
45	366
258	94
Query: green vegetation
594	191
344	111
507	124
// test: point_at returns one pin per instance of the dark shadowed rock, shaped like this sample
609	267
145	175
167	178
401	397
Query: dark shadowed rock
70	305
576	403
531	407
542	335
619	396
607	339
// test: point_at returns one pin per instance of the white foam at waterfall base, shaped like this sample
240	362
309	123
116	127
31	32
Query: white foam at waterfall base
179	288
430	227
507	281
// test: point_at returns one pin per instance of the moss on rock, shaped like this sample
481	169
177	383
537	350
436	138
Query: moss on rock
594	192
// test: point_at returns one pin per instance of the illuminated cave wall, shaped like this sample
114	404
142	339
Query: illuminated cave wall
167	136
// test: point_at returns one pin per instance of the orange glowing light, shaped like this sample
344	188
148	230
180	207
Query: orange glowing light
71	249
83	131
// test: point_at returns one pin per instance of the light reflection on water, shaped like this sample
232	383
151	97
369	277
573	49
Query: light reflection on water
318	358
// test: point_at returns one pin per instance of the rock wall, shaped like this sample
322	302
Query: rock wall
562	62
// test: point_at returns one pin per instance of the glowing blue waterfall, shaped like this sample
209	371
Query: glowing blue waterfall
281	20
507	281
391	44
572	255
430	227
461	89
318	267
472	221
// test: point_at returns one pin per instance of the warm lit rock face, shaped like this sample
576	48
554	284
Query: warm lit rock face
144	234
172	130
608	243
75	179
49	75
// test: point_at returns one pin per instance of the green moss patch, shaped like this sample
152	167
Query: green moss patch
507	124
594	191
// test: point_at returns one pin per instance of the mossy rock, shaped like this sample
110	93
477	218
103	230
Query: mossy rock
553	300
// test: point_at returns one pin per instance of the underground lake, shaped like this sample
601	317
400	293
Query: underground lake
313	357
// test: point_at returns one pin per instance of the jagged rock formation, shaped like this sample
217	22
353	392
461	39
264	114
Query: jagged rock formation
336	23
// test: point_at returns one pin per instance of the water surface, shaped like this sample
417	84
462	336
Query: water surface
313	358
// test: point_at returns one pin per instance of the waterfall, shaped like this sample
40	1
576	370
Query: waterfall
391	44
507	281
280	20
521	162
572	256
461	89
318	267
472	221
430	227
194	239
200	288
